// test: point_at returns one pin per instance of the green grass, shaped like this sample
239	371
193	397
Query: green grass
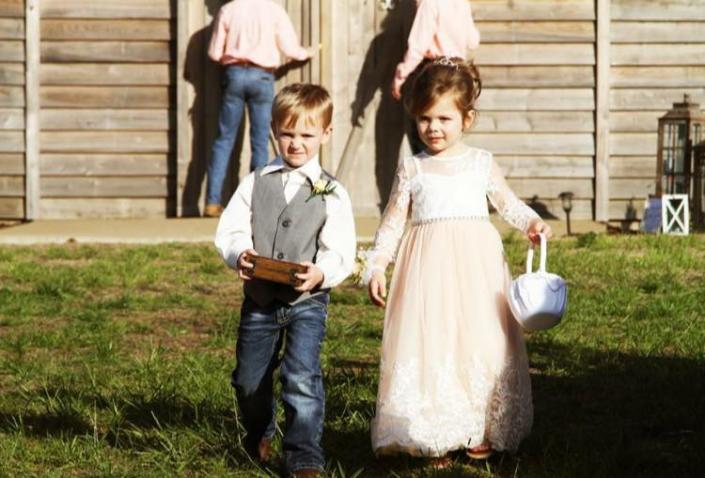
115	361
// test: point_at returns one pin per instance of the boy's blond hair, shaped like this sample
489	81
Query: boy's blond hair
312	102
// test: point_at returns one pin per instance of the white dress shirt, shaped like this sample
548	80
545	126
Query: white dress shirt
336	242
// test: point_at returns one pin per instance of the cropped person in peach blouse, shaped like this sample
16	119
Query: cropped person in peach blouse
441	28
250	37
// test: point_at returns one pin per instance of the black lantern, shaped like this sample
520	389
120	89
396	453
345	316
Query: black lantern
698	195
567	203
678	131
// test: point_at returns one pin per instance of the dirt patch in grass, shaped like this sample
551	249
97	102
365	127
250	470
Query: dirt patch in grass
174	330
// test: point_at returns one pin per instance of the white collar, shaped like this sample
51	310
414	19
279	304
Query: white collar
312	169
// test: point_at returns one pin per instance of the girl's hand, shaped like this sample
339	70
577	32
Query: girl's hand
244	266
377	288
536	228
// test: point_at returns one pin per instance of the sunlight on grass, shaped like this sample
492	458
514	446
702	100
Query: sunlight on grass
115	361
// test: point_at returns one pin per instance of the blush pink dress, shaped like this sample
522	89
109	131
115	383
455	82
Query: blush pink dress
454	370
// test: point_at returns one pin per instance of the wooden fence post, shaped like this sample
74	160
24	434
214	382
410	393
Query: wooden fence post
602	112
32	55
183	136
325	54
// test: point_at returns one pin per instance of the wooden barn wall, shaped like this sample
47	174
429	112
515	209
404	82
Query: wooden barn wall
369	41
658	54
199	94
537	109
536	112
12	109
104	113
106	120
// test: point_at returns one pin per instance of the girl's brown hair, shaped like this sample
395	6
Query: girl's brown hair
442	76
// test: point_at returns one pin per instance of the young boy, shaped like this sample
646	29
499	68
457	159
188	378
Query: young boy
289	210
249	37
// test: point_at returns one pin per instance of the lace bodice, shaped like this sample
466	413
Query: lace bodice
430	188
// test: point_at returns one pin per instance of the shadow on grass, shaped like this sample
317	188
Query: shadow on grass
596	414
56	423
616	414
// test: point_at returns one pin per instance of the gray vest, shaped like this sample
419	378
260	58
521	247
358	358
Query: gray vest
284	231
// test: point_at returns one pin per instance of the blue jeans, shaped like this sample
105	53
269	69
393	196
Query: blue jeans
260	336
249	86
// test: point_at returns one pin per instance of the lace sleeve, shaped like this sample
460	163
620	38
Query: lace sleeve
392	225
510	207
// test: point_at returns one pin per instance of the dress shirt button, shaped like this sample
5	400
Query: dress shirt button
286	223
280	255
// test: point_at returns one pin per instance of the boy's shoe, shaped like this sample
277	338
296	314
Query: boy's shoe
213	210
307	473
441	462
260	452
264	449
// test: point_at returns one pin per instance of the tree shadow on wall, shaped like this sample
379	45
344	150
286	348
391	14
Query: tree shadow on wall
384	53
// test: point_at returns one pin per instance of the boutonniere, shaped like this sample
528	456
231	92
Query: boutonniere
321	188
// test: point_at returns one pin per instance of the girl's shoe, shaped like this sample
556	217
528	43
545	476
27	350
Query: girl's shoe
480	452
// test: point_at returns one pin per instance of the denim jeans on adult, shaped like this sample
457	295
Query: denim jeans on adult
260	336
249	86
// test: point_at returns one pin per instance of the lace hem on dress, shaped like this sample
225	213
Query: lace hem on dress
491	405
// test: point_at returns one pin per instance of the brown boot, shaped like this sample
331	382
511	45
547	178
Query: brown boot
441	462
307	473
213	210
264	449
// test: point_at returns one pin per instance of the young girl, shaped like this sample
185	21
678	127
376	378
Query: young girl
441	28
454	371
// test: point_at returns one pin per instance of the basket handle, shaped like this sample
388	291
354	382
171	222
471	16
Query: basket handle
530	255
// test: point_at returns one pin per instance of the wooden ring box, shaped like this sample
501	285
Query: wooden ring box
273	270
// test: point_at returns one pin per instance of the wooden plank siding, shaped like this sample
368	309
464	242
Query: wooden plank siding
109	9
153	74
105	51
572	91
11	29
12	74
537	109
107	96
103	164
12	119
12	109
105	208
112	29
12	8
104	119
658	56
